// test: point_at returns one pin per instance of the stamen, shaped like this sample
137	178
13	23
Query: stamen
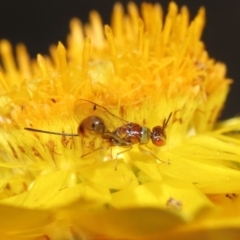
199	23
86	56
145	53
23	61
172	12
7	57
75	40
62	58
117	21
4	82
109	36
140	35
158	41
184	22
96	29
134	16
42	65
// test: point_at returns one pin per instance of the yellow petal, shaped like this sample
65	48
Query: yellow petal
193	171
105	174
157	194
215	187
149	168
44	188
19	220
144	223
214	233
88	191
24	237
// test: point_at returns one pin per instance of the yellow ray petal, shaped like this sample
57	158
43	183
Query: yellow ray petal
144	222
19	220
215	187
104	174
157	194
88	191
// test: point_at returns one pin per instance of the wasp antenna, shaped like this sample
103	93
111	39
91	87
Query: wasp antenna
54	133
165	122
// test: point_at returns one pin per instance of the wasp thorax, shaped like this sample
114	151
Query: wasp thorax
91	127
158	136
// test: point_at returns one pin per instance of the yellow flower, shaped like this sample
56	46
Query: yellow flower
141	69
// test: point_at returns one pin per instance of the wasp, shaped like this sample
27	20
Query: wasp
96	121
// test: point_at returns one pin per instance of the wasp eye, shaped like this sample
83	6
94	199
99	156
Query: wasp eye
158	142
158	136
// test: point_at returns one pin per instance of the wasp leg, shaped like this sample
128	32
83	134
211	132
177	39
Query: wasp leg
129	147
145	151
148	147
105	145
118	141
94	150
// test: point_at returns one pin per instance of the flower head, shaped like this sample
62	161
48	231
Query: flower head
145	69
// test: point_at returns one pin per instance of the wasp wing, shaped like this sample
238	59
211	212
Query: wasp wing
84	108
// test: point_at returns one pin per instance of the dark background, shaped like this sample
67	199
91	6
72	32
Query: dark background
38	23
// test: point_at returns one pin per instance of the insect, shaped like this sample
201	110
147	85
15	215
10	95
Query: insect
96	121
